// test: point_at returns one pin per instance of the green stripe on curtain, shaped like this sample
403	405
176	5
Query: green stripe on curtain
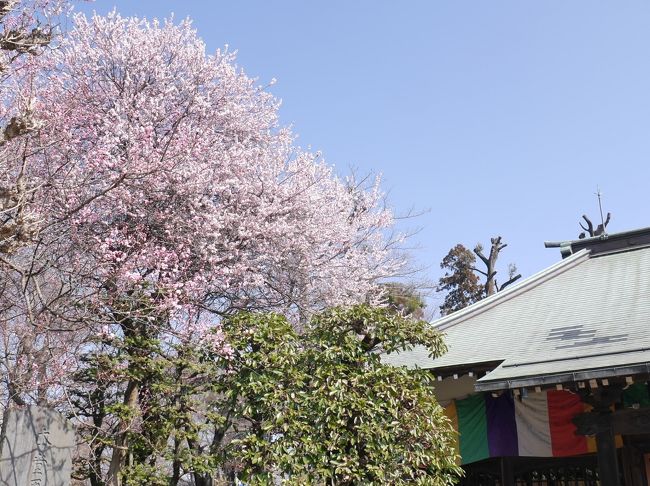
472	428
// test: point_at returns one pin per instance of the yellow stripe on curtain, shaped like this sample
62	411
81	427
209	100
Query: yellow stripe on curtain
452	415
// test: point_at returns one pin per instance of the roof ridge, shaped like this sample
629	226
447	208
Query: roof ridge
622	241
599	238
511	292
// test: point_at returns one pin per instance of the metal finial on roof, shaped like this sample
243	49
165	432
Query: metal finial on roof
600	207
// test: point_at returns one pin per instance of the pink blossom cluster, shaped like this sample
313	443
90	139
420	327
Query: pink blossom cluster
180	182
166	190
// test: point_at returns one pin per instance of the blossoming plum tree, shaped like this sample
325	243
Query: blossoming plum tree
164	195
169	166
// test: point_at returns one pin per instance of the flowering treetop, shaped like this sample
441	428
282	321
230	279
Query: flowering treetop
173	176
157	190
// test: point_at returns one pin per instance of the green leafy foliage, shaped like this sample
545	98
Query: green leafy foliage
316	408
341	416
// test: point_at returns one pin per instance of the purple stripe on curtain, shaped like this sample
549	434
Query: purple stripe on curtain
501	425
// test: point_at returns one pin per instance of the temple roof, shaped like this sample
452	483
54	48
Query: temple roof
586	317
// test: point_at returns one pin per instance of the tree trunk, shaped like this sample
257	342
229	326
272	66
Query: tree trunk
199	478
121	441
490	264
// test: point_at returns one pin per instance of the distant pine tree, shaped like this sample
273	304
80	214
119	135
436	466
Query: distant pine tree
461	281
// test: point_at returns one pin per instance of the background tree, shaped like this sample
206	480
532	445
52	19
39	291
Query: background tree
460	281
491	285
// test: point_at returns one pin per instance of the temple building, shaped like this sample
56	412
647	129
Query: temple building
546	382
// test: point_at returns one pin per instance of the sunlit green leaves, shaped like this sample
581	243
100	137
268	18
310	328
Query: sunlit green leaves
337	414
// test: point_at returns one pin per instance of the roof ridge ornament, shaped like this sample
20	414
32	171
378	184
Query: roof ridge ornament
604	243
601	229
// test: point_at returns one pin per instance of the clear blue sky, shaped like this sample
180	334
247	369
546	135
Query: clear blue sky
500	117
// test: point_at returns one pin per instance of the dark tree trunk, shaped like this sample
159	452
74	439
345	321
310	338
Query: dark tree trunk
490	264
121	441
490	261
